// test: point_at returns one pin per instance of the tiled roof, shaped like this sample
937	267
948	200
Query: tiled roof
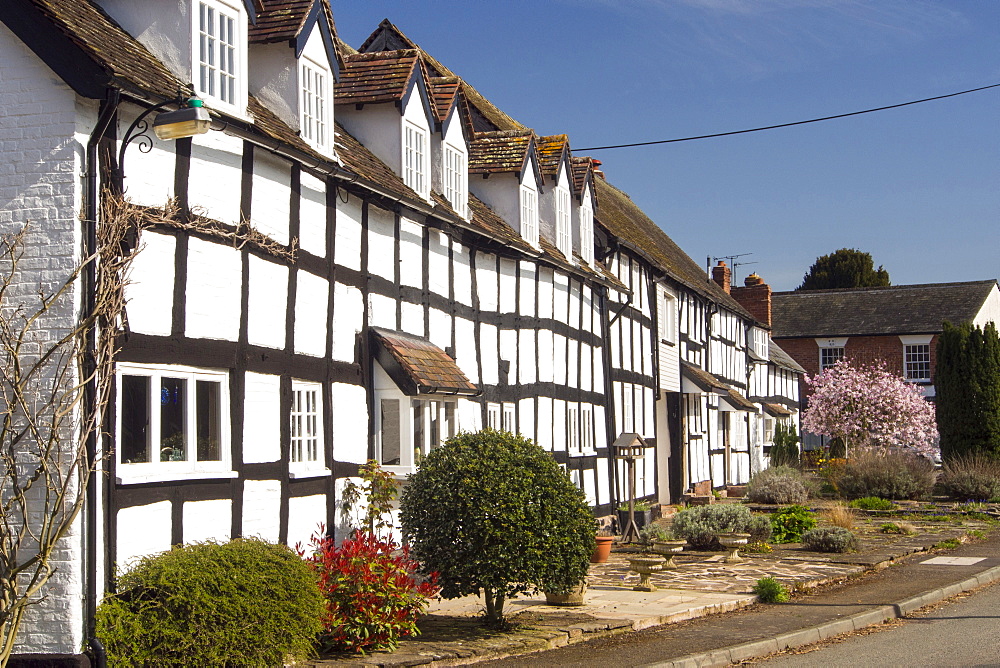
740	402
580	169
369	78
443	91
425	368
552	150
899	309
363	162
779	357
281	20
502	151
617	213
777	410
702	378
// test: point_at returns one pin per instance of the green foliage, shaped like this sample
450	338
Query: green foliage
889	475
760	528
892	527
947	544
376	493
872	503
790	522
830	539
373	596
844	268
973	476
492	511
769	590
778	484
967	385
242	603
757	547
637	506
785	448
654	532
701	524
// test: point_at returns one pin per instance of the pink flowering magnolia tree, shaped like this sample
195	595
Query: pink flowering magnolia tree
869	407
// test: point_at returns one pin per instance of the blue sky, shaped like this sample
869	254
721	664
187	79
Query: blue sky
917	187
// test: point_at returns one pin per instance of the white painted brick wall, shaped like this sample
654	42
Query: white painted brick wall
40	168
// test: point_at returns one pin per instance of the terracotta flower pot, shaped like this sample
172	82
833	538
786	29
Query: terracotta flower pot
602	551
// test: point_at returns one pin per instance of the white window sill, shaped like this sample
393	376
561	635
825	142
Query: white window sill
304	474
169	476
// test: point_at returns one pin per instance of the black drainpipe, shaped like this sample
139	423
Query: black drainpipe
109	108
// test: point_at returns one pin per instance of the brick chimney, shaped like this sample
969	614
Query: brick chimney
755	297
722	275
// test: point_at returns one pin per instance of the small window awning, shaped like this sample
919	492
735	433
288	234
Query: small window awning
737	402
695	380
417	366
777	410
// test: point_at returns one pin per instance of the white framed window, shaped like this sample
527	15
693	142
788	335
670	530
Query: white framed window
509	423
172	422
564	238
314	103
667	318
219	52
587	234
415	158
769	430
306	428
917	361
493	416
573	429
829	357
409	428
529	215
587	429
456	179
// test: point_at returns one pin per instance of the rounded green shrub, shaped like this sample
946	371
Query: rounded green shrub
790	522
493	511
872	503
971	477
701	524
889	475
769	590
779	485
242	603
760	528
830	539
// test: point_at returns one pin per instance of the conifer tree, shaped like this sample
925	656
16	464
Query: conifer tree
967	384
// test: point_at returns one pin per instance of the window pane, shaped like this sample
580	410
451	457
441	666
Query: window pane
390	432
173	443
208	421
419	430
134	443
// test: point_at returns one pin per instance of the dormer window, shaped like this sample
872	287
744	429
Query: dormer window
219	52
563	236
314	105
456	176
529	215
415	158
587	234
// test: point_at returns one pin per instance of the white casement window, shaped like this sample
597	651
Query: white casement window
456	179
573	430
769	430
409	428
564	238
218	51
587	234
172	422
829	357
509	423
917	362
306	427
314	103
493	416
415	158
667	318
529	215
586	429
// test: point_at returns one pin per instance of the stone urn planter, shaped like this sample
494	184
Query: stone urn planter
573	598
669	548
603	550
733	542
645	565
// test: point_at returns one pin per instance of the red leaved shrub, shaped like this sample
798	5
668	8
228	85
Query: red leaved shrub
373	595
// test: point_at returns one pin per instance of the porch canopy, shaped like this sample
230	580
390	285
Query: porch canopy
695	380
417	366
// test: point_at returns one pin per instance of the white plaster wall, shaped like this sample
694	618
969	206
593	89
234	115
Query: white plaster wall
411	267
412	317
382	312
440	328
163	27
213	291
149	177
273	80
463	274
487	282
527	368
603	481
378	127
560	370
311	299
586	367
261	418
312	215
438	263
545	424
574	304
348	238
150	291
574	364
261	509
501	193
560	302
470	415
348	319
350	423
268	301
305	514
465	348
990	312
546	358
508	285
216	176
526	300
488	342
142	530
526	418
381	243
545	292
270	210
207	520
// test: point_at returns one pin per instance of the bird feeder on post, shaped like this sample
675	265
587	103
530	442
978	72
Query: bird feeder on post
630	447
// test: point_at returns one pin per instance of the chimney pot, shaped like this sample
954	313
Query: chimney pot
722	275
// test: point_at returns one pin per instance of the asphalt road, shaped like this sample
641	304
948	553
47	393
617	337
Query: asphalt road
965	632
